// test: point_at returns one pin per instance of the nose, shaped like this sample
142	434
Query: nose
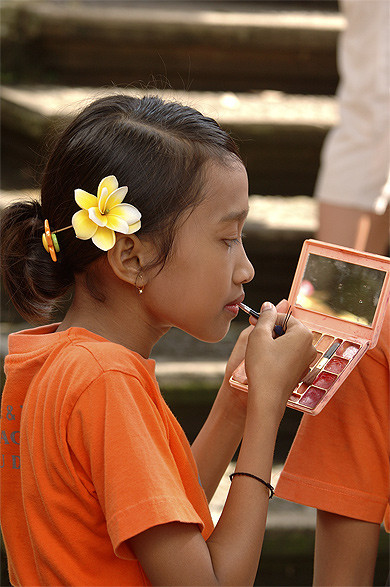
244	272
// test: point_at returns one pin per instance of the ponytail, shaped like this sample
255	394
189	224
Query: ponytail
33	282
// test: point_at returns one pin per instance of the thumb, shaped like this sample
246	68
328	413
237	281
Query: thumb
267	317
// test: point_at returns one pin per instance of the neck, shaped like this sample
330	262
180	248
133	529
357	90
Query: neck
124	322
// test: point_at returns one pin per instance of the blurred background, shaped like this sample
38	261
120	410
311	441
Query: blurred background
266	71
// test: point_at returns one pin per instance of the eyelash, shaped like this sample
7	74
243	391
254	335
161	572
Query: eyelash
229	242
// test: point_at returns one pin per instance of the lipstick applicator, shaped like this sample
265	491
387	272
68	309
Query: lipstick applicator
278	329
249	310
322	362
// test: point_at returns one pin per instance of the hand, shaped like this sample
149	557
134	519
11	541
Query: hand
238	352
274	366
238	399
238	355
282	306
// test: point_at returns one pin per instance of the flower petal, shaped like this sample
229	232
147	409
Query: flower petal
102	200
127	212
110	182
117	223
84	199
83	225
116	197
97	217
104	239
134	227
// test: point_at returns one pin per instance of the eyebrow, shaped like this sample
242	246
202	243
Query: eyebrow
238	216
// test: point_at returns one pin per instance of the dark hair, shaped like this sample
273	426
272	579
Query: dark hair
156	148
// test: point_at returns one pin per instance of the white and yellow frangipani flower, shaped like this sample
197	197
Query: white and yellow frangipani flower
103	215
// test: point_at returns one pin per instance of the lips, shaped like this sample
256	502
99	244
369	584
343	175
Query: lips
233	306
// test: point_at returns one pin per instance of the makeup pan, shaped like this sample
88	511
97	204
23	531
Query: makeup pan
341	295
324	343
316	337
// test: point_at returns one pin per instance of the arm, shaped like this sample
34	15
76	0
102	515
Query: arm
222	432
177	554
345	550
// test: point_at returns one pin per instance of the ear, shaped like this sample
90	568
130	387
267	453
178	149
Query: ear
129	256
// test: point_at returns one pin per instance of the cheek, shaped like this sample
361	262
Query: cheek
194	284
200	269
189	297
174	289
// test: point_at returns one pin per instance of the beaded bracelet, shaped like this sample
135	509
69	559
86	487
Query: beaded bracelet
268	485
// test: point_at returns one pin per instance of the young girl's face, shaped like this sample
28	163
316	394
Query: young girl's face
201	284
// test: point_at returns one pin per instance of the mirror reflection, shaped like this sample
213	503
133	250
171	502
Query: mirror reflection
340	289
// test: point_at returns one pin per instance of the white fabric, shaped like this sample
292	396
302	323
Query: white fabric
355	160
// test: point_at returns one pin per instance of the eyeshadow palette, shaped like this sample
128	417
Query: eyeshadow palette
341	295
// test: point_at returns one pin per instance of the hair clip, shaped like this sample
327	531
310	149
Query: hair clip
50	242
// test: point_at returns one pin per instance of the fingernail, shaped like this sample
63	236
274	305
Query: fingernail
267	306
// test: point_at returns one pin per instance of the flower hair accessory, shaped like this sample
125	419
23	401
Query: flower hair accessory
100	217
50	242
103	215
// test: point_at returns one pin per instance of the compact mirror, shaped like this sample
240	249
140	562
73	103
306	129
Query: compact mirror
340	289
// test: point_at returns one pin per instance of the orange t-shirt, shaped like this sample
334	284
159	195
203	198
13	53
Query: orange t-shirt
339	461
91	456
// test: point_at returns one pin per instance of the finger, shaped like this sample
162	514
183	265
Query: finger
278	323
282	306
242	341
281	326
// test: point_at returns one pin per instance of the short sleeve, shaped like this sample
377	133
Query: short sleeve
339	461
122	443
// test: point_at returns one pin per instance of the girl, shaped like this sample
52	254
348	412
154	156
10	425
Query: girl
142	208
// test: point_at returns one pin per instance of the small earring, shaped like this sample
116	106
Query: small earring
139	287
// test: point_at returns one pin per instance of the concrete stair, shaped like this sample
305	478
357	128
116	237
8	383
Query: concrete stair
280	135
201	46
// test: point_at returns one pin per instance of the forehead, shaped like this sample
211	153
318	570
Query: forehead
226	194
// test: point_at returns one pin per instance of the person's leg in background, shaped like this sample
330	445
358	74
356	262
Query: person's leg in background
353	186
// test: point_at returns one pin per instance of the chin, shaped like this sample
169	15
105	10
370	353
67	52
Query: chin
215	335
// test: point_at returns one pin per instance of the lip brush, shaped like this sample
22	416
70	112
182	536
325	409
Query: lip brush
279	329
249	310
321	363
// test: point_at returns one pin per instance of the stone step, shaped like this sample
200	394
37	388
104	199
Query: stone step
280	135
183	45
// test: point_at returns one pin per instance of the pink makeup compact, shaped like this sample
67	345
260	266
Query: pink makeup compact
341	295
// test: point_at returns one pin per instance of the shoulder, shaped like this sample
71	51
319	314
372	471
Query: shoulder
104	368
112	387
103	356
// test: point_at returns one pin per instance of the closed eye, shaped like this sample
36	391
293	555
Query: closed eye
233	241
